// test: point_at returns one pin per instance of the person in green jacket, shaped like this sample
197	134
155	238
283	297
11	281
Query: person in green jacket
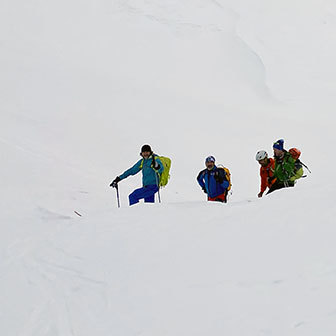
285	171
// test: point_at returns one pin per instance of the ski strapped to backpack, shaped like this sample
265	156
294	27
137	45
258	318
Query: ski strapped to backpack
164	176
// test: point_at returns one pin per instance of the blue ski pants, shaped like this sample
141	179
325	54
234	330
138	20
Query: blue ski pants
147	192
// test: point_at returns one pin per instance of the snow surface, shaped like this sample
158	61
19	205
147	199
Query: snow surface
83	85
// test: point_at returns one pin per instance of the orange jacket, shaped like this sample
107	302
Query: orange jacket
266	174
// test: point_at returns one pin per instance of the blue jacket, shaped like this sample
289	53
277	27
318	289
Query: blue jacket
206	179
149	175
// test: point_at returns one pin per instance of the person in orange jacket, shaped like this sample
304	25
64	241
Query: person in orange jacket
267	166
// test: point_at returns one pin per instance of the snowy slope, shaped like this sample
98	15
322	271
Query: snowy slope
195	269
83	86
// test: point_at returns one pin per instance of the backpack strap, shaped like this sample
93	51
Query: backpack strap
154	156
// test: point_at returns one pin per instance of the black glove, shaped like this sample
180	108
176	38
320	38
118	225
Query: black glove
155	164
219	177
204	190
114	183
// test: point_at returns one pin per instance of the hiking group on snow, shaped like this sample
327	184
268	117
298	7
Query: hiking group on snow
279	172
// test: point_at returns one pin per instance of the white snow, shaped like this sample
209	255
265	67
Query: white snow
83	86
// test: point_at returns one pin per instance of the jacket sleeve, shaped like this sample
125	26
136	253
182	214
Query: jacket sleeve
289	167
225	184
200	179
161	165
263	181
297	175
131	171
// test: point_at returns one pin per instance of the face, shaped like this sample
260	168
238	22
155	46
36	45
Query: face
210	165
277	152
146	155
263	162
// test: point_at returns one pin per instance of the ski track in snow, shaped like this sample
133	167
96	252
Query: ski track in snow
58	284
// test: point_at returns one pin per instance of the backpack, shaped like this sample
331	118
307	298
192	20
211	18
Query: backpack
223	174
295	153
164	177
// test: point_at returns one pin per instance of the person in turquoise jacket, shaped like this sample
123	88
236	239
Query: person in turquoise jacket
151	167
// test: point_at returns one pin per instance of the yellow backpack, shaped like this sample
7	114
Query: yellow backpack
226	175
164	177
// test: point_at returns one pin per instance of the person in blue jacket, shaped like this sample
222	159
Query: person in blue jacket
213	182
151	167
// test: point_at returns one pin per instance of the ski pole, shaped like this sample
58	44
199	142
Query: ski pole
157	183
117	189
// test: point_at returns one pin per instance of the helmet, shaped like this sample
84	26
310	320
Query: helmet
261	155
295	153
210	159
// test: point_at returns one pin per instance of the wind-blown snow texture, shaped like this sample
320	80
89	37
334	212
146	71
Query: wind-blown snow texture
83	85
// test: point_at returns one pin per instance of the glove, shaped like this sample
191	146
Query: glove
155	164
114	183
260	194
219	178
204	190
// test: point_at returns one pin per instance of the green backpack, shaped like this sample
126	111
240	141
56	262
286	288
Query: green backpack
164	177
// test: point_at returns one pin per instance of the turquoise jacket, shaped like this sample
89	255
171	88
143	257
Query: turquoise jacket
150	176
